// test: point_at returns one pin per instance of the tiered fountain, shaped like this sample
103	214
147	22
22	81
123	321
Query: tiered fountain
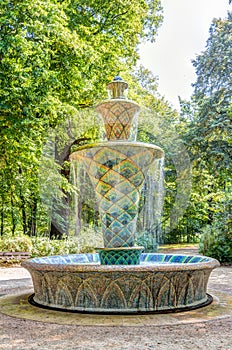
119	278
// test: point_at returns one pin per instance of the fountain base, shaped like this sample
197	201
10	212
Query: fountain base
160	283
209	300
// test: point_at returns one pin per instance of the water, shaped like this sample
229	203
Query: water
150	216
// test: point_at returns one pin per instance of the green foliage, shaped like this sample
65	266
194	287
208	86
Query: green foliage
43	246
148	241
205	125
216	243
87	241
55	58
216	240
18	243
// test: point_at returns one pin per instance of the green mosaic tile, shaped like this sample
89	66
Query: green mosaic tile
113	240
107	219
108	153
112	178
126	235
125	187
134	196
125	203
120	257
113	195
115	210
137	179
104	203
116	226
97	170
126	168
125	218
117	179
102	188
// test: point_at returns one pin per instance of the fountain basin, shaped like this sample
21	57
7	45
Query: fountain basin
161	282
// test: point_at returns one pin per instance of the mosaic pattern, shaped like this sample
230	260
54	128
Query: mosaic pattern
120	118
85	259
117	171
120	256
151	286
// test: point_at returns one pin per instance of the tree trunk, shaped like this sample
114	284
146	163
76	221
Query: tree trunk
24	215
32	218
13	221
2	217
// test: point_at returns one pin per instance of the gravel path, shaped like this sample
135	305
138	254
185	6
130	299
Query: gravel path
18	334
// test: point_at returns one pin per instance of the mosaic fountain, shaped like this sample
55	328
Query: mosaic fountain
120	278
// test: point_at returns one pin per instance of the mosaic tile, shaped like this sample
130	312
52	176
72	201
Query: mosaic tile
120	257
119	118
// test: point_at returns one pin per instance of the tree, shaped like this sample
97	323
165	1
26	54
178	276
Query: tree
55	57
209	125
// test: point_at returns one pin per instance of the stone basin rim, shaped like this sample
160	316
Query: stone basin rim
208	263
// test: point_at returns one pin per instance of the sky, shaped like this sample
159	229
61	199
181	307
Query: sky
181	37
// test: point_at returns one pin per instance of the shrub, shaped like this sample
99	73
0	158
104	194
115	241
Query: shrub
19	243
148	241
43	246
89	239
217	243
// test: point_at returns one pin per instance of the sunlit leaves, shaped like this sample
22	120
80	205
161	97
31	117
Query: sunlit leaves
55	58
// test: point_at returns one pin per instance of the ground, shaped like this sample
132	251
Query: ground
24	335
213	333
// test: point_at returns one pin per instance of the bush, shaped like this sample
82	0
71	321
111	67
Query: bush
217	243
19	243
89	239
86	242
148	241
43	246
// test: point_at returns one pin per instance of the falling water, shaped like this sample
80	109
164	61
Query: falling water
150	216
151	204
74	175
83	200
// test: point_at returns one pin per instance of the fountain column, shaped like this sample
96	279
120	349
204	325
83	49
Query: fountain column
117	169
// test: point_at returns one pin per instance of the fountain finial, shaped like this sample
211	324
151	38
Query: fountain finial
117	87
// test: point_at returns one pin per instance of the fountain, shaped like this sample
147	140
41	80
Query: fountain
119	278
